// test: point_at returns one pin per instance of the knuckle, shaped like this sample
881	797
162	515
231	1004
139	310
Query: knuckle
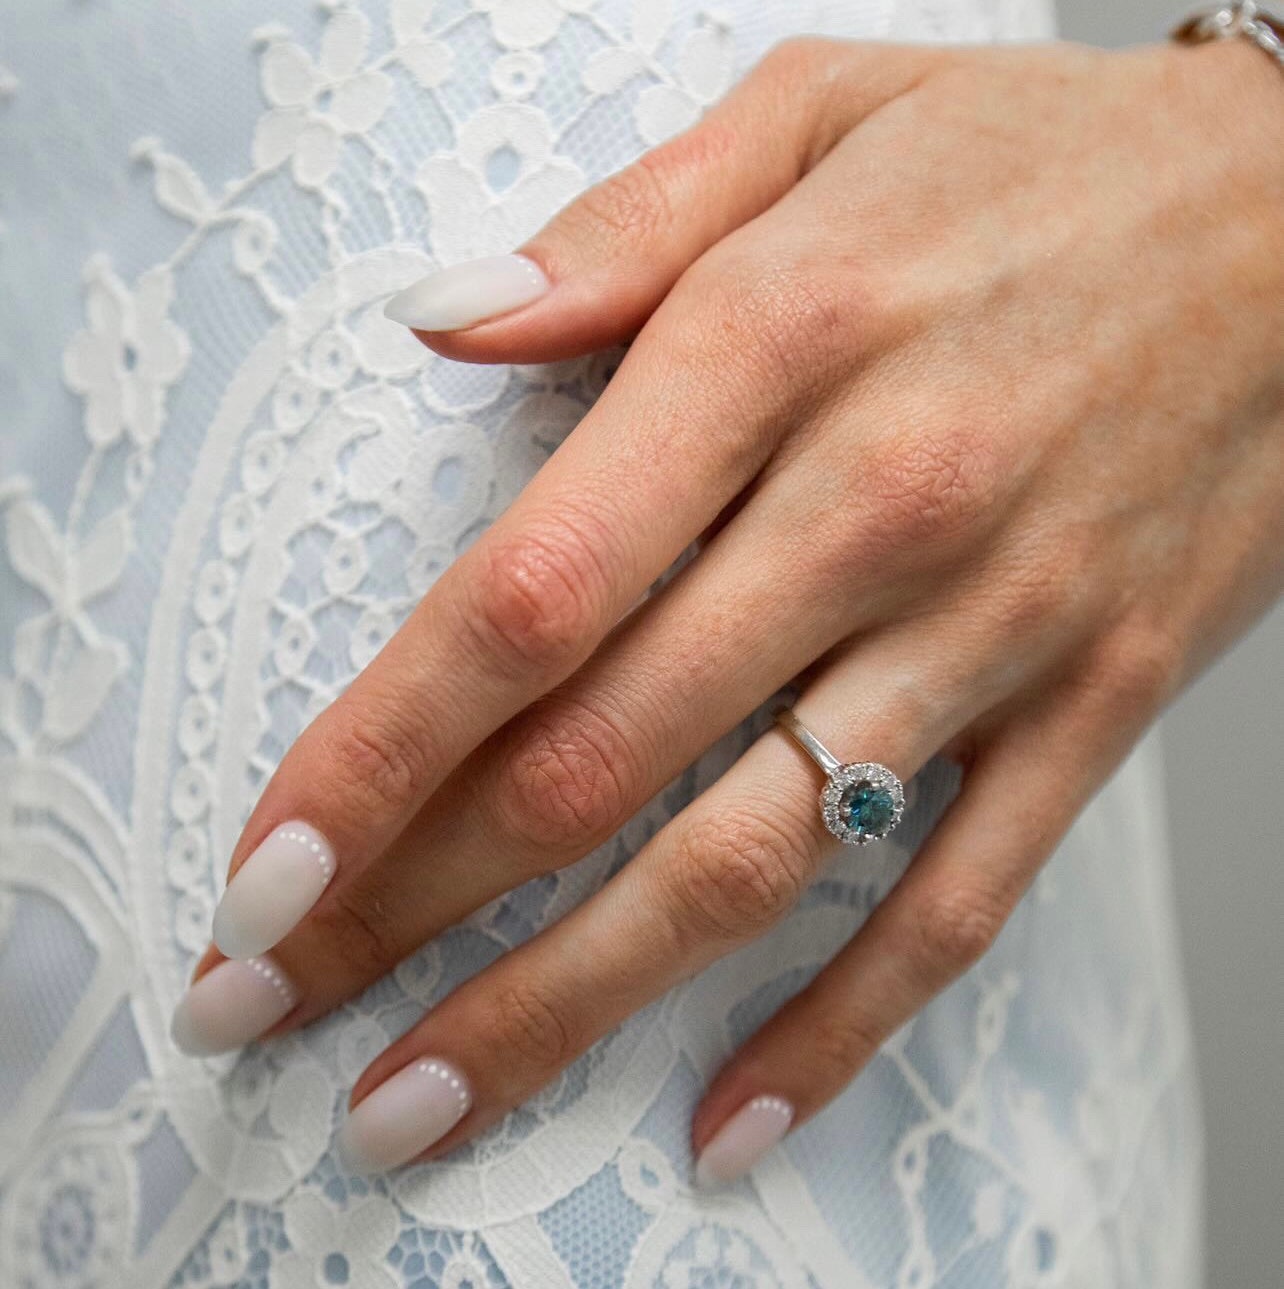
632	203
932	488
569	778
537	601
1038	594
952	929
360	930
1065	586
532	1025
380	758
1025	605
790	61
1059	582
733	879
1138	669
775	315
842	1042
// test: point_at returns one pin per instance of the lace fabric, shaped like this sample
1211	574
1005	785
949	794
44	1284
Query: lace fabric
225	480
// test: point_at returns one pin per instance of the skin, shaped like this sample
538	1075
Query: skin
967	364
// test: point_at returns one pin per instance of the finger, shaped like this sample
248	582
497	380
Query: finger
718	875
592	276
1017	802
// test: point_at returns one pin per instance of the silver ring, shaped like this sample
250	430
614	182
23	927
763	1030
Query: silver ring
861	800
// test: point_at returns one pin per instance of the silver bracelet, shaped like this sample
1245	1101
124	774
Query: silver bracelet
1229	20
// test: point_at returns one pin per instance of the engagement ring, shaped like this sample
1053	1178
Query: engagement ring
862	800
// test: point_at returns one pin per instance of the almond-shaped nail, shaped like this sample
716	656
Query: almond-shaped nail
404	1116
231	1005
468	293
273	889
743	1140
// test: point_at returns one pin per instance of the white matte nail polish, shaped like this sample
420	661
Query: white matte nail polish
468	293
404	1116
273	889
231	1005
743	1140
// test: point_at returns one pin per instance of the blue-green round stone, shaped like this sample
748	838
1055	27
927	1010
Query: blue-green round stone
867	809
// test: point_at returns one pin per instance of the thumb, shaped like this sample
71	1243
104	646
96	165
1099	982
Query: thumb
592	276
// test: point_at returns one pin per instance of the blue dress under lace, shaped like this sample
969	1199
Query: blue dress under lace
203	421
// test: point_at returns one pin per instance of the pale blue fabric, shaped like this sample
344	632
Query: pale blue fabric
203	422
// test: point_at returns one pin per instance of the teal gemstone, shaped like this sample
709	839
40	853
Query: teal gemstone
867	809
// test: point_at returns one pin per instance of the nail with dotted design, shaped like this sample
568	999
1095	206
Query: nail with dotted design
743	1140
231	1005
272	890
404	1116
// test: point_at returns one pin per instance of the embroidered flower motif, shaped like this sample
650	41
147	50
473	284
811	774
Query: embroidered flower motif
71	1219
330	1248
716	1256
316	104
704	71
1060	1237
131	353
59	652
526	24
429	61
988	1210
503	183
253	242
372	631
465	1269
226	1252
517	75
646	1175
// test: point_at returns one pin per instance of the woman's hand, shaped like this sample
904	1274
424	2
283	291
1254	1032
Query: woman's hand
968	364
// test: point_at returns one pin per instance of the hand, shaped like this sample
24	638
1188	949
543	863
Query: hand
968	366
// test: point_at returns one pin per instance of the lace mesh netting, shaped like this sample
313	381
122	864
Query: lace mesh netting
225	480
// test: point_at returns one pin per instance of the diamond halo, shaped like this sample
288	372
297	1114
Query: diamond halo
836	812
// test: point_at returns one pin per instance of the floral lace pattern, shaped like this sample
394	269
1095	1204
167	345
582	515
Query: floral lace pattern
225	480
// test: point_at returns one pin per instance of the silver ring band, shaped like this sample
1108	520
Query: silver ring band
862	801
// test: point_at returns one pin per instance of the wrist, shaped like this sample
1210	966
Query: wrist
1223	100
1234	76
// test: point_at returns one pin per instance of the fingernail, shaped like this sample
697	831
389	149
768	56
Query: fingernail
404	1116
273	889
743	1140
230	1005
467	293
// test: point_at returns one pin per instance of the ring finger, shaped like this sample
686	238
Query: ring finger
943	914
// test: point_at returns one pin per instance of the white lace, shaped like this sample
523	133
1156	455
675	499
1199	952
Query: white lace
225	480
